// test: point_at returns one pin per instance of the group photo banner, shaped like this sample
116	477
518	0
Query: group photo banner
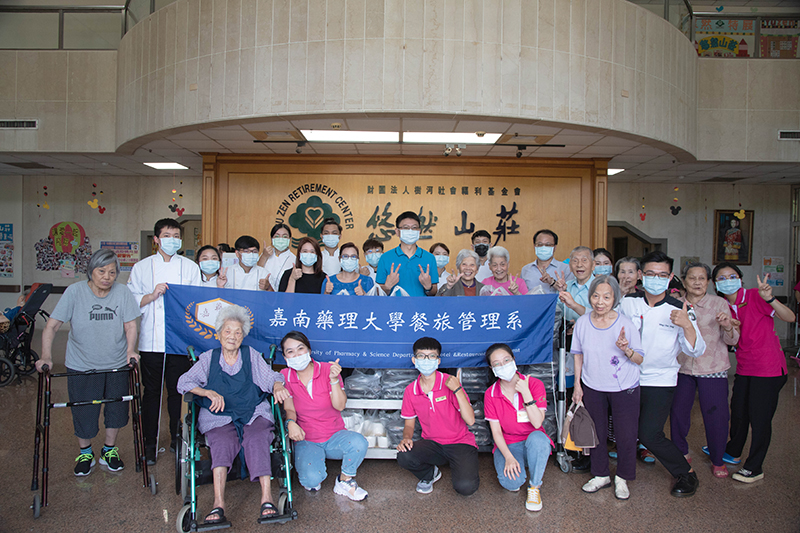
368	331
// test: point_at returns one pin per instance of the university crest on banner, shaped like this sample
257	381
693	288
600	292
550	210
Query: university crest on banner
202	317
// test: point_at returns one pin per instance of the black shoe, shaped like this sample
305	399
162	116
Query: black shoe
582	463
150	456
173	445
686	485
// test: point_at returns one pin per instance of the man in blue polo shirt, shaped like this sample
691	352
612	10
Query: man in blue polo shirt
408	269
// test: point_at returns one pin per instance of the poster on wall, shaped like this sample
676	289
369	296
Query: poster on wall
127	252
6	250
779	38
733	236
66	240
724	37
775	267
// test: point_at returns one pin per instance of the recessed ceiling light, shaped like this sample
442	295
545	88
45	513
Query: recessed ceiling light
167	166
347	136
433	137
612	171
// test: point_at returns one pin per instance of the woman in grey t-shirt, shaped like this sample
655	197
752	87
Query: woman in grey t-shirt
102	315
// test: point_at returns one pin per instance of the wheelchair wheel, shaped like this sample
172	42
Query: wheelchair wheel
7	372
283	500
153	485
37	505
182	458
183	523
25	365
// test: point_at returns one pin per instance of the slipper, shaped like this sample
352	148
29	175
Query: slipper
719	471
268	506
220	512
726	457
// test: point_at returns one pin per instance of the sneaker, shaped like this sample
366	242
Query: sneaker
426	487
534	501
745	476
85	464
621	488
111	460
726	457
597	483
350	489
314	489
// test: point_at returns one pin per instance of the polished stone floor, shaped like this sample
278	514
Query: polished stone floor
117	502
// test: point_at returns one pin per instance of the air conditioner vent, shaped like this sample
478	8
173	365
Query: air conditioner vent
789	135
19	124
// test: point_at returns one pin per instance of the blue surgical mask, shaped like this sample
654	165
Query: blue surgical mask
349	264
280	243
374	258
170	245
729	286
655	285
330	241
442	260
249	259
209	267
544	252
298	363
426	367
409	236
603	270
308	259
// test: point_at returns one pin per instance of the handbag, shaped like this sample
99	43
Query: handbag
579	433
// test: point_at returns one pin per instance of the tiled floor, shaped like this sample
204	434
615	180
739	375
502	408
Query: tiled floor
117	502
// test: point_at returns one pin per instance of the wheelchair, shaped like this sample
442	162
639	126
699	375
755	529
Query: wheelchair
193	465
17	359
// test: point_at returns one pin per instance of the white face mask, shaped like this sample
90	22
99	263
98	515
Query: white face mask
249	259
506	371
409	236
280	243
170	245
298	363
374	258
330	241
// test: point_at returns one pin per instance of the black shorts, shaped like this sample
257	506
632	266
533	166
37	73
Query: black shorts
84	387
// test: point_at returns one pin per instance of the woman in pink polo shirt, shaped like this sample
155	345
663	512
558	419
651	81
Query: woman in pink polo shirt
760	366
515	406
314	419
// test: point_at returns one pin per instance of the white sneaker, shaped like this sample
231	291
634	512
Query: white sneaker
621	488
534	501
426	487
313	489
597	483
350	489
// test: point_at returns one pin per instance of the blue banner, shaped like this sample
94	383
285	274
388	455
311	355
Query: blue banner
368	331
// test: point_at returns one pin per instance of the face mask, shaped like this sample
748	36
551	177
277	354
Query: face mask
349	265
374	258
505	372
209	267
544	252
249	259
481	249
442	260
170	245
409	236
426	367
655	285
602	270
298	363
330	241
308	259
729	286
280	243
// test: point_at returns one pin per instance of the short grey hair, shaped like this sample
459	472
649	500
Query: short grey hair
609	280
234	312
628	259
695	264
582	249
498	251
102	257
463	254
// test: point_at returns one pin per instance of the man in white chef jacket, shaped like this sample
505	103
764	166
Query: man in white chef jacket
149	279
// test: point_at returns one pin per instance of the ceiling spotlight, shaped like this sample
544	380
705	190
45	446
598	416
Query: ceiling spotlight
299	148
458	152
519	150
519	154
447	149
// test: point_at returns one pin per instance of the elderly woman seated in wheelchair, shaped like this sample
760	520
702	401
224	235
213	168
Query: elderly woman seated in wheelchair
232	385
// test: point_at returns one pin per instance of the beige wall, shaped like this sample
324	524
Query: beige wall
741	105
567	61
73	94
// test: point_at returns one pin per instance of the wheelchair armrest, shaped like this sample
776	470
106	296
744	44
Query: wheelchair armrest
188	397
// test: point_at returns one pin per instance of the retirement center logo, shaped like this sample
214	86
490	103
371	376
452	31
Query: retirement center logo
307	216
202	318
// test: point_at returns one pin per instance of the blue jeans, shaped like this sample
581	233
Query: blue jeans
532	452
309	460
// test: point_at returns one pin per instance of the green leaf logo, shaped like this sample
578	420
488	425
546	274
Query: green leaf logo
309	215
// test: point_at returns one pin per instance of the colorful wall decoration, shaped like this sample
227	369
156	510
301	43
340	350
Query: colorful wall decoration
6	250
127	252
66	240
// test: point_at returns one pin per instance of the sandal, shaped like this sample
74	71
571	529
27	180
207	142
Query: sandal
220	512
268	506
719	471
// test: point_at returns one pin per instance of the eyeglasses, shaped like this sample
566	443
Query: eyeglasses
249	251
349	257
723	278
662	275
428	356
541	244
502	363
415	227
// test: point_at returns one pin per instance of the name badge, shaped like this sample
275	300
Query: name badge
522	417
441	398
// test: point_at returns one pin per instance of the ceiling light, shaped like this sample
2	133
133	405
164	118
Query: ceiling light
433	137
612	171
167	166
346	136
